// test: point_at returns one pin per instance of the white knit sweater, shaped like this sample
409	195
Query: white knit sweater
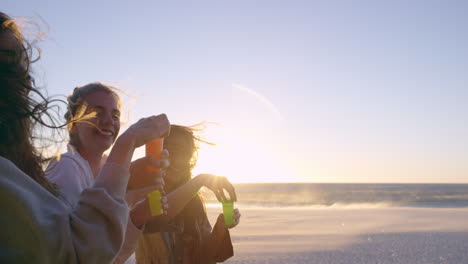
72	173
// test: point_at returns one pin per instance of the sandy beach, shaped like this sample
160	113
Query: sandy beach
349	236
333	235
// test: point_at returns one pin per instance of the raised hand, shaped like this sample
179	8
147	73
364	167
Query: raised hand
140	177
217	184
147	129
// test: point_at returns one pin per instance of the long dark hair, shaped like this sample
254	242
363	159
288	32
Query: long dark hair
186	155
19	111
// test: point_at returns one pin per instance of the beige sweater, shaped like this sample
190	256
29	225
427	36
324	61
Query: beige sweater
37	227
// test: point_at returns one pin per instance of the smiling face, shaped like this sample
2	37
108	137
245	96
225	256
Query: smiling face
97	134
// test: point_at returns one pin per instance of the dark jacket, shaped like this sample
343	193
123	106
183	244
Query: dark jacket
190	236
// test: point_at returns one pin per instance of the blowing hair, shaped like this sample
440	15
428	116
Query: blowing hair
77	106
19	112
188	153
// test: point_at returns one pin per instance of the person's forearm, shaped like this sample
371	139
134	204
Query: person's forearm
119	159
122	151
139	215
176	201
178	198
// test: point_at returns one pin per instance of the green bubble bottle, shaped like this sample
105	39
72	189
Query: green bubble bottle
228	212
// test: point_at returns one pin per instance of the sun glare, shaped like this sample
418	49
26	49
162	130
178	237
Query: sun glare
241	161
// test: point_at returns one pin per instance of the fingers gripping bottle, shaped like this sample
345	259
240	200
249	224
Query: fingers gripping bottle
154	148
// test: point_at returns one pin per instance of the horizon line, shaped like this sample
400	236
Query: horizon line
353	182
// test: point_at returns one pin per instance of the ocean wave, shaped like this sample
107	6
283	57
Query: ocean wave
349	195
290	206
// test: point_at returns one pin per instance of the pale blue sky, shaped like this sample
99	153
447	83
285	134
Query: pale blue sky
322	91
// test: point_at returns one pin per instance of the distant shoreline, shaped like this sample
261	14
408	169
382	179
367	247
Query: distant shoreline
349	195
397	183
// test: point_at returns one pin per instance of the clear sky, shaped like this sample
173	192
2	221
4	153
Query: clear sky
319	91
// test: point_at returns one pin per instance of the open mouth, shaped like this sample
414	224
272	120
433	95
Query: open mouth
105	132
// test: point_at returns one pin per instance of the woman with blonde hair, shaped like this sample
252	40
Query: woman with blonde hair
96	107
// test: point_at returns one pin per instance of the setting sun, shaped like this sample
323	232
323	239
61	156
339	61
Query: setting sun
240	160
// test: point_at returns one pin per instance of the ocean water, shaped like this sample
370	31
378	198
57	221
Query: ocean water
322	195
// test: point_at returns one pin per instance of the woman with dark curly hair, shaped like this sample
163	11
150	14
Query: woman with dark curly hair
187	237
37	227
